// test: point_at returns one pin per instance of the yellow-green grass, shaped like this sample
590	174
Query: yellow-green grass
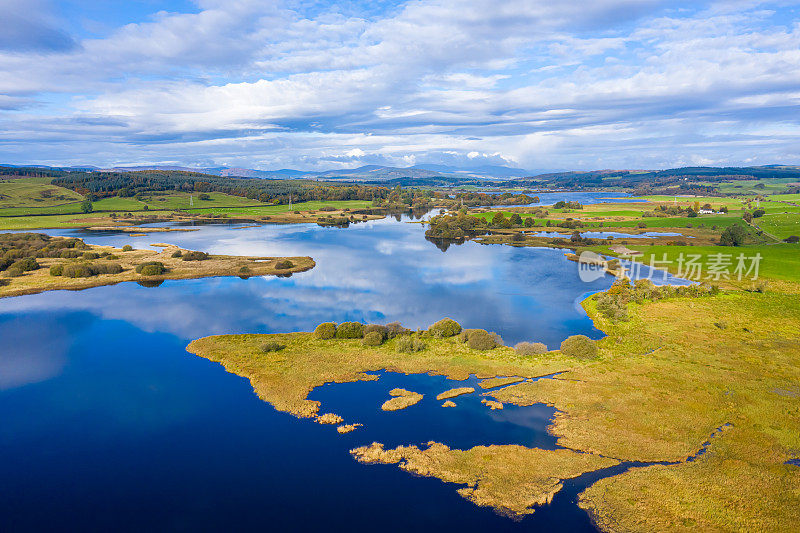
793	198
185	200
781	225
511	479
278	209
771	185
40	280
81	220
285	378
34	193
778	261
663	382
681	369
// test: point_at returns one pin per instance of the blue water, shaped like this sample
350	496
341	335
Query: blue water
108	423
614	234
584	198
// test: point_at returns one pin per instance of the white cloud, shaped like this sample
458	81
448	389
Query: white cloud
541	84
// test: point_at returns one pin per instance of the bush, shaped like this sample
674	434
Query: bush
25	265
529	222
579	347
447	327
57	270
410	344
383	331
177	253
127	248
733	236
14	272
326	330
517	237
107	268
792	239
516	219
90	255
350	330
393	329
272	346
150	268
373	338
530	348
195	256
284	264
77	270
480	339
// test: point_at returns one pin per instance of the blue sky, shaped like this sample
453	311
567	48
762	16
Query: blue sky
316	85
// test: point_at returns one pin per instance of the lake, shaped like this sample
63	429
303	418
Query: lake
108	423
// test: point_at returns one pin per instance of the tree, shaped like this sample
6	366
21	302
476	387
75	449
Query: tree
498	219
747	217
733	236
86	206
516	220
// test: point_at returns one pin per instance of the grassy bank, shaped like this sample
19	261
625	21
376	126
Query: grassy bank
41	279
662	383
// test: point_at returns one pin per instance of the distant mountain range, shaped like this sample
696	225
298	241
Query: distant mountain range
370	173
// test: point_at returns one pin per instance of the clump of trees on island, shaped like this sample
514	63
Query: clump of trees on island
613	303
408	341
19	251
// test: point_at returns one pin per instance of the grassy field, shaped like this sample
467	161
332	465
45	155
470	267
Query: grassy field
278	209
34	193
781	225
778	262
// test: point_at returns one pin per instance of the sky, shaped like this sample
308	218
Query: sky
315	85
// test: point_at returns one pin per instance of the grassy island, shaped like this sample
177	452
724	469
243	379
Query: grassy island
674	367
33	262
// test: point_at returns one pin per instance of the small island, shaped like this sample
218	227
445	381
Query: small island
34	262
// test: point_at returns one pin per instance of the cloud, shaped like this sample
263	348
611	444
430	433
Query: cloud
29	26
535	83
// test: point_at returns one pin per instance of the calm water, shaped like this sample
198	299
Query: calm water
108	424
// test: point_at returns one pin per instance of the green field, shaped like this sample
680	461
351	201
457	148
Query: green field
278	209
781	225
778	261
36	195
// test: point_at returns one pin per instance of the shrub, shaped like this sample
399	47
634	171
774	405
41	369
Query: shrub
410	344
150	268
90	255
106	268
77	270
26	264
272	346
480	339
373	338
284	264
733	236
326	330
792	239
529	222
758	213
447	327
69	254
516	219
350	330
177	253
57	270
579	347
393	329
127	248
517	237
641	225
530	348
195	256
14	272
465	333
383	331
